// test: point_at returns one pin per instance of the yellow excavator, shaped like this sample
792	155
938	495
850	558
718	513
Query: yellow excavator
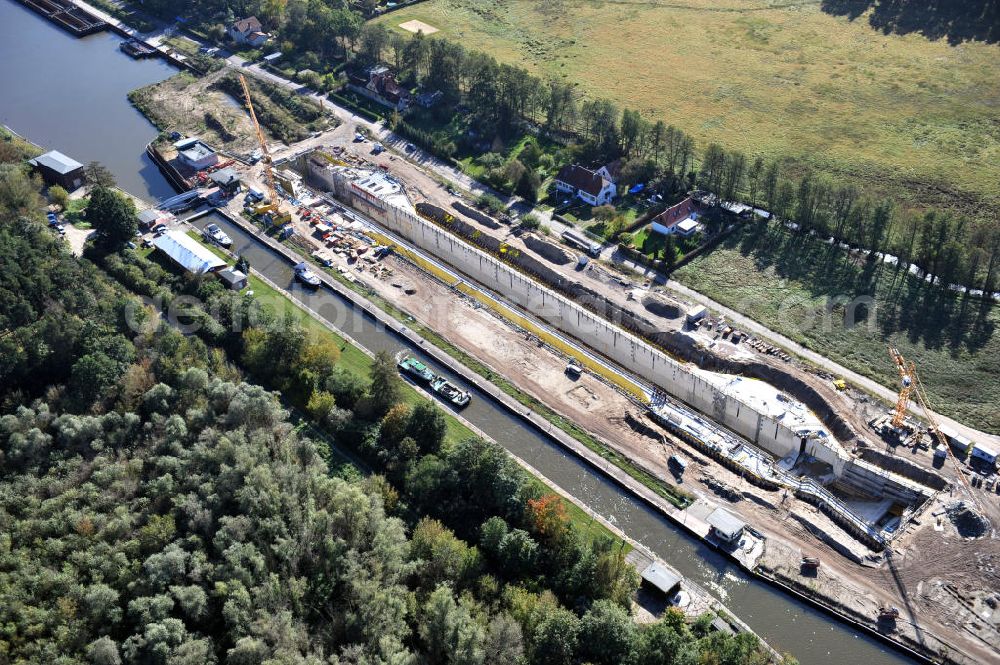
270	209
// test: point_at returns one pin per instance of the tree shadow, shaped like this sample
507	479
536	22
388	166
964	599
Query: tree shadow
955	20
929	315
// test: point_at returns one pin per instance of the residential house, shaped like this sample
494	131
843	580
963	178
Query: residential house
379	83
611	171
681	219
58	169
589	186
248	31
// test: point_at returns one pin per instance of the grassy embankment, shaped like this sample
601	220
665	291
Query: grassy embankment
785	282
356	361
914	119
212	107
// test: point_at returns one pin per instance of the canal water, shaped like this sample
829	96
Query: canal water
70	94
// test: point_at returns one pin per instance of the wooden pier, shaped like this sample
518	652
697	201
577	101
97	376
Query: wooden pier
68	15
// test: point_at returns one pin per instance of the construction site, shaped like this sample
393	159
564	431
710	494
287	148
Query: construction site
876	511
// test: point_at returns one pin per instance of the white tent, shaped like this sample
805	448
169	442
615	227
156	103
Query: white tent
187	252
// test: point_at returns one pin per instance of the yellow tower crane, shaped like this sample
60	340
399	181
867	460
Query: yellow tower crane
273	206
911	385
906	373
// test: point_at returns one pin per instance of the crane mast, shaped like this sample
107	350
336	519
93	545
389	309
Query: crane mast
274	204
910	384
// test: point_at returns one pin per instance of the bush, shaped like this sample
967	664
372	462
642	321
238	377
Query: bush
530	221
491	204
59	196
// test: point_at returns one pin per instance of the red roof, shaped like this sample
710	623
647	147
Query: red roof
248	25
581	178
676	213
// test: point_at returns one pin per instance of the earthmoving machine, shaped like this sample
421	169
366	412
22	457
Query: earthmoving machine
270	209
911	385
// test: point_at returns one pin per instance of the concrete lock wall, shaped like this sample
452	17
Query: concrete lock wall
624	348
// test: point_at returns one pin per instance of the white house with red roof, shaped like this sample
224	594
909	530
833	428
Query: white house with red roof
681	219
589	186
248	31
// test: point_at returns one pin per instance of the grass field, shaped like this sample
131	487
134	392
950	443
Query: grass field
786	282
914	118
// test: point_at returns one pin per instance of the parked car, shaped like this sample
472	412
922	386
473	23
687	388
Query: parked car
305	275
159	230
213	233
410	147
377	149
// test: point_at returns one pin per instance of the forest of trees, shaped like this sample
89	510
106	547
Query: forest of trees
156	506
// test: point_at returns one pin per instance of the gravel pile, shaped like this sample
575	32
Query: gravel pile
968	522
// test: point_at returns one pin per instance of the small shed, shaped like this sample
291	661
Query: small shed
725	526
58	169
233	279
227	179
696	313
658	577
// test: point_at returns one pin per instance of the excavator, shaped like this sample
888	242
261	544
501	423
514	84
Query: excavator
910	385
271	208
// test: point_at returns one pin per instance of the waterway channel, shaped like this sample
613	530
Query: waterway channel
70	94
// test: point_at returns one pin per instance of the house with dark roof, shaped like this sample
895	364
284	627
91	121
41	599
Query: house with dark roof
589	186
681	218
58	169
379	83
611	171
248	31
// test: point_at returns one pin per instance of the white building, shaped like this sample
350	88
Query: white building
725	526
195	154
588	186
188	253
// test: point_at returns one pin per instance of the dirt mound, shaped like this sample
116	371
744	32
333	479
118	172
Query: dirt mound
547	250
480	217
968	522
661	305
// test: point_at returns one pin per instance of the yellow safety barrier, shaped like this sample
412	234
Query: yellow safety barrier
519	320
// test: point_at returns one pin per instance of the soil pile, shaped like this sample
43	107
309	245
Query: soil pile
547	250
968	522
